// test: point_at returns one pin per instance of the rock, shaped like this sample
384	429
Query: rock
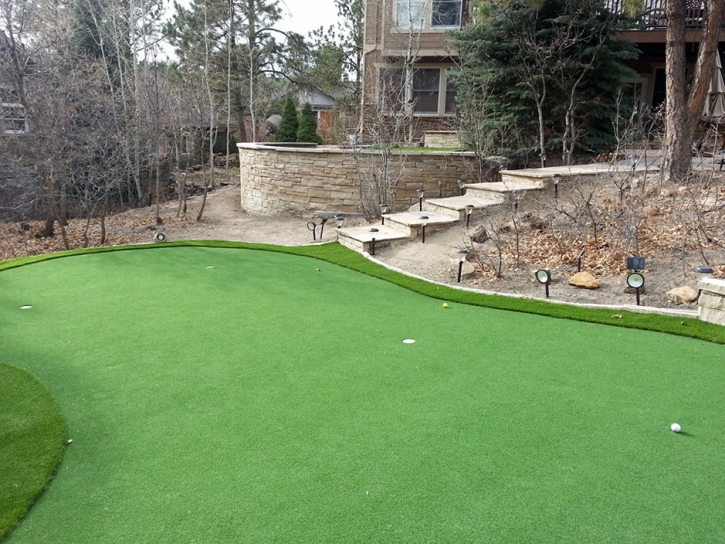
585	280
468	270
651	211
682	295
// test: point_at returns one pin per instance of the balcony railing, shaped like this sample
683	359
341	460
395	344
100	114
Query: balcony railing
651	14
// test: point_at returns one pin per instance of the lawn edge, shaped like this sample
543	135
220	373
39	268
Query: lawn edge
54	466
336	254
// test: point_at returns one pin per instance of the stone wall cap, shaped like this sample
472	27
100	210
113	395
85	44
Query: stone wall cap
713	285
344	150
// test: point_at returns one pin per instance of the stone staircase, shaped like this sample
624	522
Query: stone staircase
437	214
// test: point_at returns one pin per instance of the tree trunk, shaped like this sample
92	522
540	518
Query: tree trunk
682	115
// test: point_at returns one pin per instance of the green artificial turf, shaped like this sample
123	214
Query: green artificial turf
264	400
31	442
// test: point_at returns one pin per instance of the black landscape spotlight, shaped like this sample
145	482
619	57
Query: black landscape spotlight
159	237
424	222
312	226
636	281
462	255
339	219
579	260
555	179
420	192
372	241
544	276
703	269
461	186
384	209
469	211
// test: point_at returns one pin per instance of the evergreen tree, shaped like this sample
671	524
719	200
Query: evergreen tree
543	69
287	131
307	131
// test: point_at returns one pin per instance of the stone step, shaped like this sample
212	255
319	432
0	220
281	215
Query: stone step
361	238
545	175
411	223
455	206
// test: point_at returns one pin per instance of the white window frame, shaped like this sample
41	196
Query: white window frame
423	18
8	116
404	10
460	13
442	86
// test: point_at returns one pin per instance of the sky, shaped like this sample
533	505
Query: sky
303	16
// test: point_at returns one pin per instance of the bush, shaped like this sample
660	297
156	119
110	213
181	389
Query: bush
307	131
287	131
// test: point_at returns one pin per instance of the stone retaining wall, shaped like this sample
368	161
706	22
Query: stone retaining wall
711	303
282	180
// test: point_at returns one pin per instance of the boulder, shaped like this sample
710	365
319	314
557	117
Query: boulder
467	271
584	280
682	295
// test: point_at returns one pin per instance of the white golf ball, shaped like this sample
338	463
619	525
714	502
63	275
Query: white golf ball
675	427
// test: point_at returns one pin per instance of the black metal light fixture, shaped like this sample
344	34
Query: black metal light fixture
461	186
636	281
703	269
421	193
544	276
469	211
372	242
312	226
555	179
462	256
634	159
339	219
384	209
579	260
424	222
542	156
159	237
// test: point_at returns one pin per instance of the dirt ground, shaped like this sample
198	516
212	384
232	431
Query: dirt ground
435	260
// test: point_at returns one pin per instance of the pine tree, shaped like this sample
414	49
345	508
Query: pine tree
287	131
307	131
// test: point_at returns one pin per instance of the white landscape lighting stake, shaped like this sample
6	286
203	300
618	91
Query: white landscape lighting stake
339	219
544	276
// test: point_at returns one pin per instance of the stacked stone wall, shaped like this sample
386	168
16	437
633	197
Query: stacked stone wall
276	181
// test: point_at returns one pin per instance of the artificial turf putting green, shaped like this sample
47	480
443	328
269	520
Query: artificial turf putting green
263	400
31	442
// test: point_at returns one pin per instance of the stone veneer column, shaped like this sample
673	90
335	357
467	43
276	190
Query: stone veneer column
711	303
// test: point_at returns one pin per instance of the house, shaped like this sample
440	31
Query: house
396	30
417	30
13	119
648	33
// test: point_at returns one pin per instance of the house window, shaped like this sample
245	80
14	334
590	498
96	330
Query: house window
446	13
409	13
426	14
12	118
431	93
450	94
426	89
